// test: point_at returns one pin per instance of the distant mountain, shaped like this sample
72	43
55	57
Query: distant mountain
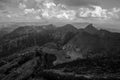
59	53
109	27
6	30
80	25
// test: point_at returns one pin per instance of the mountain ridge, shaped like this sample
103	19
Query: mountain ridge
59	53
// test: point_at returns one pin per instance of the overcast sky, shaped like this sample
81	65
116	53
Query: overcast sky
105	3
104	11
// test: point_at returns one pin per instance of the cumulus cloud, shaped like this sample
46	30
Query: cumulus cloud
60	10
22	6
49	9
99	12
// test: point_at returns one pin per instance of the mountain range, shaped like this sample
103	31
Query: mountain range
47	52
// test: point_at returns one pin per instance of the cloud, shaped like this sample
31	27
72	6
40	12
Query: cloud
3	4
99	12
59	10
11	4
78	3
49	9
2	7
4	1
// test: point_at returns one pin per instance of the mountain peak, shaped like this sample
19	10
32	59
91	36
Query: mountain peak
91	29
90	26
69	26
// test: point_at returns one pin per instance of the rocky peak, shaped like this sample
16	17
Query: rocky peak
91	29
68	27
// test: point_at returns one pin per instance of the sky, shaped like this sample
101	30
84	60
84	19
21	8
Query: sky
95	11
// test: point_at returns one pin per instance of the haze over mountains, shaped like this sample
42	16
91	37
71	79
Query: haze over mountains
59	53
12	25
